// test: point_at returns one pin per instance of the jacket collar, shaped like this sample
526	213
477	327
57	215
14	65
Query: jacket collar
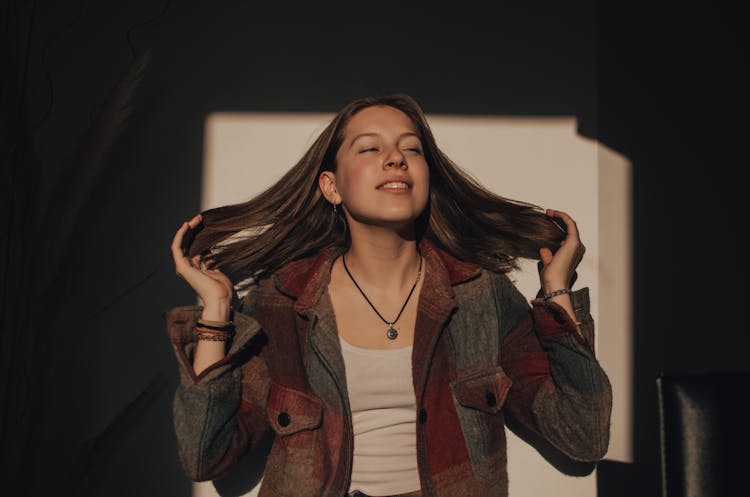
306	279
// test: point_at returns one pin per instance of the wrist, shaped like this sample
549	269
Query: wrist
216	311
555	292
551	286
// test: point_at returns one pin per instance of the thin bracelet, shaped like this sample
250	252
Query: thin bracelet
201	329
214	323
228	327
561	291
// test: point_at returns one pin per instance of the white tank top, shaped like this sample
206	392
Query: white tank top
381	397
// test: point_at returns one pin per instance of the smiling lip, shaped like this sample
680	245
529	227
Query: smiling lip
394	185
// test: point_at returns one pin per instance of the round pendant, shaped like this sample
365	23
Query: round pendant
392	333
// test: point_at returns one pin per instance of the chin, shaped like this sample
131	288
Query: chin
395	217
396	223
400	217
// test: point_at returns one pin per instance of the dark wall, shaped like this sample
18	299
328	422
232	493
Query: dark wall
101	162
672	96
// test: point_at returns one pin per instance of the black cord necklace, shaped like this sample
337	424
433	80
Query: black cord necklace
391	333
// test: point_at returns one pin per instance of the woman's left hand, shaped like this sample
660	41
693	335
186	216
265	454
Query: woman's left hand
556	270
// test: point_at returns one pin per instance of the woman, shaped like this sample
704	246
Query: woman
380	338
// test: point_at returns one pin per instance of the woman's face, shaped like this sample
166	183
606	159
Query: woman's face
381	177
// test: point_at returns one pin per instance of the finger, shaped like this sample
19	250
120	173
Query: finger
570	224
197	219
177	241
195	261
546	255
190	233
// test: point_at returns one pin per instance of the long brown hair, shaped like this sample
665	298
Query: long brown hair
291	219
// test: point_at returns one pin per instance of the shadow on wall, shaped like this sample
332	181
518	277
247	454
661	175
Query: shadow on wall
247	472
552	455
41	245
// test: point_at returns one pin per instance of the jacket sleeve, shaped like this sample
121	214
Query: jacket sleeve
220	413
559	389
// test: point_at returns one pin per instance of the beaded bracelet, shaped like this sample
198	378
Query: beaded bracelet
561	291
214	337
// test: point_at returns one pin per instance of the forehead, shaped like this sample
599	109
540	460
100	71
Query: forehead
379	119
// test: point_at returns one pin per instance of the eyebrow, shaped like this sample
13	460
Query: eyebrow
402	135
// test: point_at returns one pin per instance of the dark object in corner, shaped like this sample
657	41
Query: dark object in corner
703	428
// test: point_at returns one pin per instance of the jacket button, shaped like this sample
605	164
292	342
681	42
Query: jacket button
422	416
284	419
491	399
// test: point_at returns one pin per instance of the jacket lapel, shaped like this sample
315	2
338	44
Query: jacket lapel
324	339
437	301
307	281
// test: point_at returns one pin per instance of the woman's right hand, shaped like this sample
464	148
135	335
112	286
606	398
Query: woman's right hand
212	286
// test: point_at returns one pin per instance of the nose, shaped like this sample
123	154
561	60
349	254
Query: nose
396	159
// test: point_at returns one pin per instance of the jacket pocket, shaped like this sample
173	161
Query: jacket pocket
479	399
290	410
485	391
292	468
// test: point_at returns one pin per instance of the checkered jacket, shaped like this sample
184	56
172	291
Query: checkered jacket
481	353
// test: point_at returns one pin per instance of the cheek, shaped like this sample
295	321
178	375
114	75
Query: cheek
422	174
354	176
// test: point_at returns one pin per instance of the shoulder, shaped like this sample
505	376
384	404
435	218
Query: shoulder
297	284
507	294
491	285
453	269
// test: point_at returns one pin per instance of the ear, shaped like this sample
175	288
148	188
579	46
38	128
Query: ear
327	184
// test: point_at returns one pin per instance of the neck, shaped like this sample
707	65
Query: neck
383	258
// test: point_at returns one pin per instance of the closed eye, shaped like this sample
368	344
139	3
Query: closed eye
371	149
